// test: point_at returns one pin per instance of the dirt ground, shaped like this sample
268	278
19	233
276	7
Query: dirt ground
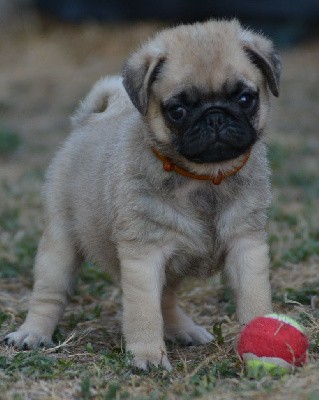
45	69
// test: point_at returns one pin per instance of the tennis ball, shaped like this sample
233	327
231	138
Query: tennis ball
274	344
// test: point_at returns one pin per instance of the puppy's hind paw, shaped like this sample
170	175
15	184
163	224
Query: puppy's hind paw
188	335
25	340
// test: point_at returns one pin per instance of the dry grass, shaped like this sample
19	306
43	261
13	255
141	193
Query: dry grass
45	69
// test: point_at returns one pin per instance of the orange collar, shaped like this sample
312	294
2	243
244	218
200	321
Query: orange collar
169	166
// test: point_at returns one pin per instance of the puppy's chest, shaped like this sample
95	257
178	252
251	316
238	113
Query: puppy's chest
199	248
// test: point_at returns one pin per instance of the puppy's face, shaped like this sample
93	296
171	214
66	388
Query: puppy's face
204	91
212	126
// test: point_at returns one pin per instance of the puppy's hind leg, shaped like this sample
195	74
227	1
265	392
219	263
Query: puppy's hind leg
178	327
55	271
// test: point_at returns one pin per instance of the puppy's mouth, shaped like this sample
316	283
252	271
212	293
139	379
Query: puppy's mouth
215	138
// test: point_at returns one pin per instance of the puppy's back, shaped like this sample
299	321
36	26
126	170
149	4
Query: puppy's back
77	177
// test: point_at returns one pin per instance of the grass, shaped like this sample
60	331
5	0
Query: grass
19	242
89	361
93	363
9	142
94	376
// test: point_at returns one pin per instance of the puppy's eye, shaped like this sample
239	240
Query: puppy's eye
177	113
247	101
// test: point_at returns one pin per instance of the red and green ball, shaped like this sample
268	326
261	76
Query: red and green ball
275	343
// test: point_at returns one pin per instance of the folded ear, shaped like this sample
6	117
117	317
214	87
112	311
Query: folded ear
139	73
262	53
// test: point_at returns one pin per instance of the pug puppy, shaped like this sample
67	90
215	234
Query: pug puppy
164	176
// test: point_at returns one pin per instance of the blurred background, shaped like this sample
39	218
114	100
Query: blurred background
287	20
52	51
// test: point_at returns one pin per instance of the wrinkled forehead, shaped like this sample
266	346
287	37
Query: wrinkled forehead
210	69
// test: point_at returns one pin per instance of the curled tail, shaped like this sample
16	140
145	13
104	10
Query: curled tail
103	95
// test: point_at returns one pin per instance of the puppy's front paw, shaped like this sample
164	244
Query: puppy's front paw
147	355
26	340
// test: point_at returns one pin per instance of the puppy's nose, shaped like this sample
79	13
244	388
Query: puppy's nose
215	122
215	118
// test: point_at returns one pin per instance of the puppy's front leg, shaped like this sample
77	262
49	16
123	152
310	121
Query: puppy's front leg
143	278
247	267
